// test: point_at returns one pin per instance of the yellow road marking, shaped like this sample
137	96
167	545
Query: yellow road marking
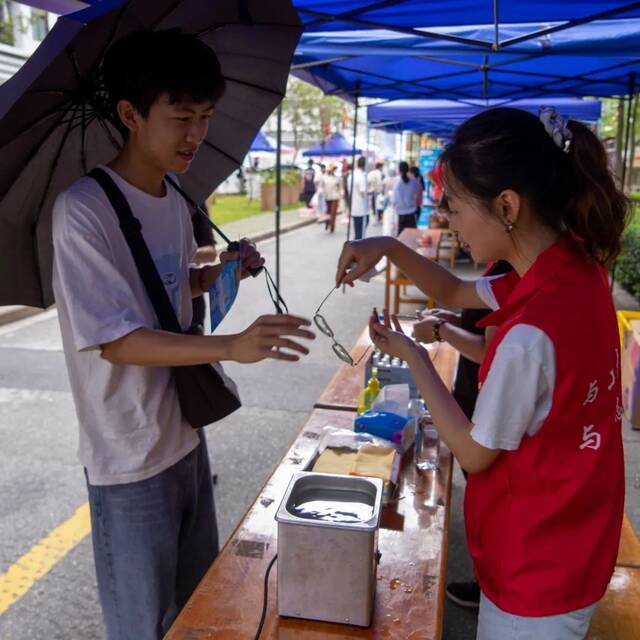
42	557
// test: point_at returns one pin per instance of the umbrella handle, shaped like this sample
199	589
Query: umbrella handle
254	271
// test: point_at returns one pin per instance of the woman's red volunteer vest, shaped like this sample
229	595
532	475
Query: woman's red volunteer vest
543	522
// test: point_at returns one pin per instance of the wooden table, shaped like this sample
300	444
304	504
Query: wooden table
413	542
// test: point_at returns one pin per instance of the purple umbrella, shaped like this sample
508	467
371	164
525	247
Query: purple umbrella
54	127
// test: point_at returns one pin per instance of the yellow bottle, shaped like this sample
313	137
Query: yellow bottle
369	393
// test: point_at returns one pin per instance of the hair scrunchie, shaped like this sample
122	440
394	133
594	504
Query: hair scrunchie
556	126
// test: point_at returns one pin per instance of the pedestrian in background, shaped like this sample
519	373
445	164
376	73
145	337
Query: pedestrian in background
374	188
332	188
360	200
404	198
309	183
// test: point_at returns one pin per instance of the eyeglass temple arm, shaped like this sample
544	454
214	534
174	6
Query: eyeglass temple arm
325	299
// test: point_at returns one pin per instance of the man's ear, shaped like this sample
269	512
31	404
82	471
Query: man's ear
129	115
509	206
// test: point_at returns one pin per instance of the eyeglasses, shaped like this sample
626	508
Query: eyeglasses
338	349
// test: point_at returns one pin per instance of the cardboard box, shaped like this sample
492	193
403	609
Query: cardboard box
630	365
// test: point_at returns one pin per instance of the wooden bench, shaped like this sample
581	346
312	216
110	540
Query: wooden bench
412	542
618	614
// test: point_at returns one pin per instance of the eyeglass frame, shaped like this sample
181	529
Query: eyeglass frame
339	349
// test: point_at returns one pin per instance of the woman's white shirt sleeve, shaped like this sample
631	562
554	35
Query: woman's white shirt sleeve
517	394
485	292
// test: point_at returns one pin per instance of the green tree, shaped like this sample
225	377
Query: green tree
6	23
311	114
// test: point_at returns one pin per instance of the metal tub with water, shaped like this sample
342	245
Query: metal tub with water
328	547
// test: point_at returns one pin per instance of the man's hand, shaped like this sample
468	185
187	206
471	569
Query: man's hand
251	258
268	337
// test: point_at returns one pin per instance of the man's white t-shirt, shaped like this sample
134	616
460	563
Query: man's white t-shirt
359	204
131	427
517	394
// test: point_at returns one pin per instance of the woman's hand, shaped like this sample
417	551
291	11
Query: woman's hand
423	330
358	257
393	342
443	315
269	337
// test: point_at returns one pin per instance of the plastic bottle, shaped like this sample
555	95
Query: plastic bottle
369	393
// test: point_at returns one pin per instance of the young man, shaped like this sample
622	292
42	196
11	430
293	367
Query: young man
152	512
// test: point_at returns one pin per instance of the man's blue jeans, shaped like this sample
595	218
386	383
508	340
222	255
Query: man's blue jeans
360	226
153	541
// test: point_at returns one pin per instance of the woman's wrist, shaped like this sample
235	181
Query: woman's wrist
437	331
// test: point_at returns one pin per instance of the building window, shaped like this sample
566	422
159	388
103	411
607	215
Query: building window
6	24
39	24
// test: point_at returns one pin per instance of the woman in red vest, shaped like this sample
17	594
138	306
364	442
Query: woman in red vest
545	496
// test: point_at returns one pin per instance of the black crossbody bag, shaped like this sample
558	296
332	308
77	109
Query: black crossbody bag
202	392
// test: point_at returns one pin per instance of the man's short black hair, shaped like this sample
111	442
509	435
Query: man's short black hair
142	66
362	161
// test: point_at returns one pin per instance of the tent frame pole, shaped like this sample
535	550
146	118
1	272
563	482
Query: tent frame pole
625	157
632	90
632	141
278	189
353	164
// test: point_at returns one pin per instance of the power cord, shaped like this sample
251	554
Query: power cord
266	596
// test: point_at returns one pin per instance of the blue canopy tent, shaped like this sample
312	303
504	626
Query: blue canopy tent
260	143
403	15
597	59
440	117
335	145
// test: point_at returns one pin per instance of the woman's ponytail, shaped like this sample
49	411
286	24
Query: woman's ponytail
598	210
403	167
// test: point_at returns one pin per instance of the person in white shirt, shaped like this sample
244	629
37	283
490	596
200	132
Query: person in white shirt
404	198
332	188
359	201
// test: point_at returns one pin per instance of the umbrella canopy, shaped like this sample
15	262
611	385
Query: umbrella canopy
52	131
335	145
441	117
261	143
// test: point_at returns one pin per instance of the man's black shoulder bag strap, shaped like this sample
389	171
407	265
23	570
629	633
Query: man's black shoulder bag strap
204	398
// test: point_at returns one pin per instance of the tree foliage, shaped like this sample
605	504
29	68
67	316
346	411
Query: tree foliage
311	115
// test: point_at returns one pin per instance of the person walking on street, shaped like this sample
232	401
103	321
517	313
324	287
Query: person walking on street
309	183
359	202
375	188
404	198
415	172
321	201
332	187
